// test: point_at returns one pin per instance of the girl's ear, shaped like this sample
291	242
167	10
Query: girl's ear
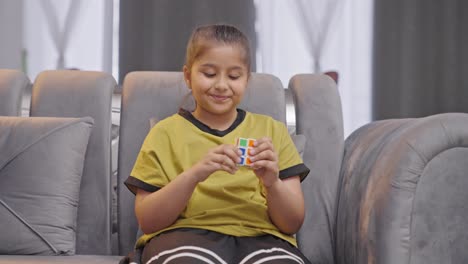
187	76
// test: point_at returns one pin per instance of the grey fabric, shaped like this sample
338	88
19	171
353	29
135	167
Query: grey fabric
265	95
76	94
403	193
139	104
319	119
88	259
12	85
147	95
439	218
419	58
300	143
41	165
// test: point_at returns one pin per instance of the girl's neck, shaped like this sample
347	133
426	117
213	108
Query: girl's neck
216	121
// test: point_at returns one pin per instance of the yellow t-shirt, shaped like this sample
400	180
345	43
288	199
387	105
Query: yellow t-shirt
230	204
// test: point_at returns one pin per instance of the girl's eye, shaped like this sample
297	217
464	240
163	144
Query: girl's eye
234	77
209	75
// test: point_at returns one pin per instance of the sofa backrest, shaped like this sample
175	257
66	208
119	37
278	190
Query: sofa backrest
66	93
319	118
12	85
147	95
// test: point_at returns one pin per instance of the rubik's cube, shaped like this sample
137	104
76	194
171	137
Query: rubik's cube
245	145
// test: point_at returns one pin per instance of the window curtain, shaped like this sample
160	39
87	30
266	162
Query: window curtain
60	34
420	58
154	34
313	36
66	34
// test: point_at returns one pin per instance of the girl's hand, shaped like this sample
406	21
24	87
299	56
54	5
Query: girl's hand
223	157
265	161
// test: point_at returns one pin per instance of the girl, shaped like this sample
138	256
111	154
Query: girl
194	203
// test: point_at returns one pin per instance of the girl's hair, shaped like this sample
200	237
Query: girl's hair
205	37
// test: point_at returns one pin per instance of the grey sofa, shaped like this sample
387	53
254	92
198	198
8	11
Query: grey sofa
78	94
403	192
393	192
399	194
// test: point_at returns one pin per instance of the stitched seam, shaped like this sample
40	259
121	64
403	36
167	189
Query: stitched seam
50	132
29	226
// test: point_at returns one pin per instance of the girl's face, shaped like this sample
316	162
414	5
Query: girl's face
218	79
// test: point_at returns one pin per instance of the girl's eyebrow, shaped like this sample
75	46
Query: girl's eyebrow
208	65
215	66
236	68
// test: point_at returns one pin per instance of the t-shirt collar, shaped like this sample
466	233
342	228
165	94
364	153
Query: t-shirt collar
188	115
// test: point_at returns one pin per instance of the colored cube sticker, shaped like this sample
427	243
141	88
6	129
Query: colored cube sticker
244	151
245	161
245	145
245	142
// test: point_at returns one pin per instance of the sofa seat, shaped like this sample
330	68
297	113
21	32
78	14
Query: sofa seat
76	259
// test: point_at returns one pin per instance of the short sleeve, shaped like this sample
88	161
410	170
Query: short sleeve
148	172
290	162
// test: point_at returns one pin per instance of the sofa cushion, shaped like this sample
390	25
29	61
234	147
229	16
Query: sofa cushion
41	162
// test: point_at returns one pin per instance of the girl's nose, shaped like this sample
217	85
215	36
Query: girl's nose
222	83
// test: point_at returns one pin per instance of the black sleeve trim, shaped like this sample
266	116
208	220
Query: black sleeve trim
132	183
300	170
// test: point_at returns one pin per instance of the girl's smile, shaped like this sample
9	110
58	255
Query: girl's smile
220	98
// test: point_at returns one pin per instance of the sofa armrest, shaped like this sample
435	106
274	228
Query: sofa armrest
403	192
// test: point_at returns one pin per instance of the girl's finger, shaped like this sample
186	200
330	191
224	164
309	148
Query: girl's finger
262	145
264	164
233	153
264	155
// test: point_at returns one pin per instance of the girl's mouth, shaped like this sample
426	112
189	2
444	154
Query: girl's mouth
219	98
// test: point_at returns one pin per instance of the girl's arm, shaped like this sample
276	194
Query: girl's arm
286	204
285	200
160	209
